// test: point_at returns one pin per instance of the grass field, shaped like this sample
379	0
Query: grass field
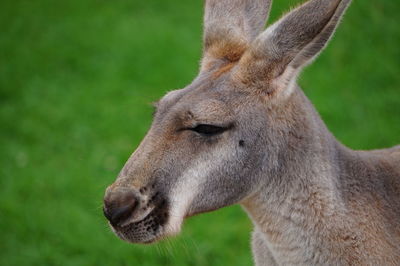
76	80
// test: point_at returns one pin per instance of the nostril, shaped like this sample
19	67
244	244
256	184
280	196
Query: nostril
122	213
119	206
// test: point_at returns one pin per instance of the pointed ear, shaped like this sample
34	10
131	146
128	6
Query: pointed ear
281	51
229	27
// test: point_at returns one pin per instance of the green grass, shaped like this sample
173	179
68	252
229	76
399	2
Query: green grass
76	80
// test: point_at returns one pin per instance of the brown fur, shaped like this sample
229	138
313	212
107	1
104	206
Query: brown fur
312	200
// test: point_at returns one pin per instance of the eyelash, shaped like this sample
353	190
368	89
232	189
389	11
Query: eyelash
209	130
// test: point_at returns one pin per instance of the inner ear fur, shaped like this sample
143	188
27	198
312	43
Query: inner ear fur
229	27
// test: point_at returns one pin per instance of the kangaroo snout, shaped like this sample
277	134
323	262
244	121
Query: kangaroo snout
136	214
121	204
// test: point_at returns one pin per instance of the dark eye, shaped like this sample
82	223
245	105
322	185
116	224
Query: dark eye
208	130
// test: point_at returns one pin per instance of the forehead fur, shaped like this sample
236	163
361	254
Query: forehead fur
210	110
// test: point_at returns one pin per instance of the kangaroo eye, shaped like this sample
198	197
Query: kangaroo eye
208	130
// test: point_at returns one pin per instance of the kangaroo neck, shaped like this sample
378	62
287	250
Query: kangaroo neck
296	207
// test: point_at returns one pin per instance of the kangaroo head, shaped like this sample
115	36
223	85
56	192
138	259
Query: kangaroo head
212	143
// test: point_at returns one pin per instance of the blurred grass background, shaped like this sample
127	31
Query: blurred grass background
76	80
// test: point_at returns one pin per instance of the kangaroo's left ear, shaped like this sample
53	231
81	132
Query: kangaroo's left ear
279	53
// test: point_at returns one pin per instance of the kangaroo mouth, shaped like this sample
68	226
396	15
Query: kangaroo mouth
147	230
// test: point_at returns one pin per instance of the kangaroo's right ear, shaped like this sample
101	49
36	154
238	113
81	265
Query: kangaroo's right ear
229	27
281	51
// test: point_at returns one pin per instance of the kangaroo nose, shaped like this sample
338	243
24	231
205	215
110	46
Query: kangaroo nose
119	205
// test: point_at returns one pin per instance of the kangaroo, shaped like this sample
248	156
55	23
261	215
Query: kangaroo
243	132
